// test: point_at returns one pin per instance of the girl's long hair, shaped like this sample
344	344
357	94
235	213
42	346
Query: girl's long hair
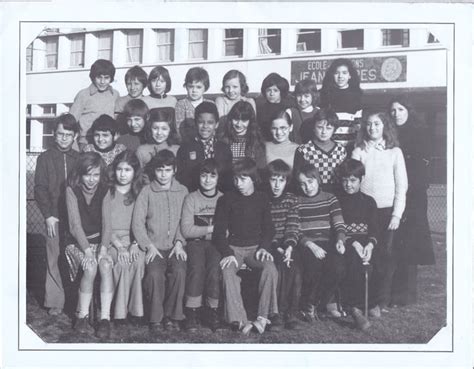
413	117
161	115
389	130
131	159
86	162
329	86
242	110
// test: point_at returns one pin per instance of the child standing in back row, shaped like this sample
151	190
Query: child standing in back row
386	181
99	98
196	83
135	80
159	84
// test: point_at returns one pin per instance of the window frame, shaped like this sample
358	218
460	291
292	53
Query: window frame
170	44
99	49
232	39
308	31
387	33
128	33
81	37
268	37
340	31
204	42
29	58
46	54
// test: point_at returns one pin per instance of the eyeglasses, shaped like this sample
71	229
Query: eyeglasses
64	135
283	129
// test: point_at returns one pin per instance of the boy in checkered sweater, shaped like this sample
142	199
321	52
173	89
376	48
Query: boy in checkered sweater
322	152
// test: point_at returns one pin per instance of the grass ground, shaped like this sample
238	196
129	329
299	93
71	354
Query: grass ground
412	324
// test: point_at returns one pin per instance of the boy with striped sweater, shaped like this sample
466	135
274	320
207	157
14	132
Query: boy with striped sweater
320	218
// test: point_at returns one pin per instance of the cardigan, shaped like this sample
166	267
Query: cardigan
242	221
156	216
385	175
190	156
198	214
89	104
52	169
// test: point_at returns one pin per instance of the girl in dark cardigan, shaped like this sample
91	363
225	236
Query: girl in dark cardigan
414	237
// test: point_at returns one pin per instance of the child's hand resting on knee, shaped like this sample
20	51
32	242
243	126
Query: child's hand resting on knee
151	253
263	255
319	252
88	261
178	251
227	261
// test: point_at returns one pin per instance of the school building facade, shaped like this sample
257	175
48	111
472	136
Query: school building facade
390	60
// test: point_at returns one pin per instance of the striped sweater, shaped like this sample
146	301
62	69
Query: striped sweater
320	217
284	210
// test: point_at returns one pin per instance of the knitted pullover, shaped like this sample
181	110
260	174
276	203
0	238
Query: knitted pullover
146	151
385	175
246	220
156	216
360	215
198	214
156	101
284	151
320	216
284	210
325	161
107	155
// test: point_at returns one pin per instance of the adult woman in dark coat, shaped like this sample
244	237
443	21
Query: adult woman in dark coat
414	242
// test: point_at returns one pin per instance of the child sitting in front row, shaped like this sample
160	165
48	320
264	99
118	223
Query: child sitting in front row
155	224
321	152
360	215
284	210
196	83
320	219
99	98
84	194
104	135
197	225
135	113
243	233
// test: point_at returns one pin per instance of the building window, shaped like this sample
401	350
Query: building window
350	39
308	40
48	132
432	39
197	44
396	37
49	110
134	46
51	52
233	42
29	58
269	40
77	50
105	45
165	44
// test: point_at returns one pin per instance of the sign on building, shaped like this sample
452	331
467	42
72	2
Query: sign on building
370	70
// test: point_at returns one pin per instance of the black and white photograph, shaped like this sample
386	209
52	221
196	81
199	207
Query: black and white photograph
240	185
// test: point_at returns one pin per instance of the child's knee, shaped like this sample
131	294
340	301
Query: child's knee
105	266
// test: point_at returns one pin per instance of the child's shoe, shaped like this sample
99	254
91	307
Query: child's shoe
361	321
333	311
170	325
309	314
260	324
155	329
191	323
211	319
55	311
103	330
276	323
82	325
135	321
291	322
375	312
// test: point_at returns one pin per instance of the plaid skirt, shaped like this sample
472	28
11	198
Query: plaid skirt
74	257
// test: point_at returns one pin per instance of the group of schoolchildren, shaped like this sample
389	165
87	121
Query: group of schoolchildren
169	200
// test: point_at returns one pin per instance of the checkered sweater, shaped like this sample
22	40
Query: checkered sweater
319	217
325	161
284	210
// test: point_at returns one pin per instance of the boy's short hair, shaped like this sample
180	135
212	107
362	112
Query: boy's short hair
209	166
103	124
197	74
137	73
156	73
274	79
328	115
102	67
136	108
310	171
162	159
206	107
307	86
278	168
68	122
246	167
350	167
